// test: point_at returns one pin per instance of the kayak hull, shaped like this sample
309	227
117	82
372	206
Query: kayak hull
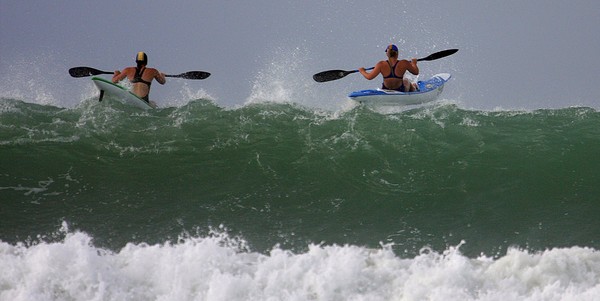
122	94
429	90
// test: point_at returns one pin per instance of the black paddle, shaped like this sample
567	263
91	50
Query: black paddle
330	75
87	71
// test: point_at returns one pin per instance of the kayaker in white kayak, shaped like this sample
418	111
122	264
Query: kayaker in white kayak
140	76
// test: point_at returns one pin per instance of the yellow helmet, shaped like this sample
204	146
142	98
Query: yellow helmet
141	57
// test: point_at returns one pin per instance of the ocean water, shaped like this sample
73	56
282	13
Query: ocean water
277	201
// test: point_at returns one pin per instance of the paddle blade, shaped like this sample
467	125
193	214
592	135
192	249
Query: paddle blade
86	71
330	75
191	75
439	55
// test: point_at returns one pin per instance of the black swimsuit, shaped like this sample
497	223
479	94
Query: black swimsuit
137	78
393	75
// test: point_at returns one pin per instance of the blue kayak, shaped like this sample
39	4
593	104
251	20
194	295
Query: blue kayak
429	90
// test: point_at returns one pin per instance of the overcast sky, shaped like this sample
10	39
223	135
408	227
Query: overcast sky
514	54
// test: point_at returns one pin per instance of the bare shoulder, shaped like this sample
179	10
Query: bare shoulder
381	63
129	69
153	70
404	64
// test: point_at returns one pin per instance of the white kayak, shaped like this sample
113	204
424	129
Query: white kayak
120	93
429	90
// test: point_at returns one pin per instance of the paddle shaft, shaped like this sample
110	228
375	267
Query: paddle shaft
87	71
330	75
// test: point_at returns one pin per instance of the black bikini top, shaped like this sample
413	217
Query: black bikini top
137	78
393	73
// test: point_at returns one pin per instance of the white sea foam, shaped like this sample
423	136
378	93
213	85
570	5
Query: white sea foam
218	267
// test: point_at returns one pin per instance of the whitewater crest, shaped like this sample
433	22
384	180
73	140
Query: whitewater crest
220	267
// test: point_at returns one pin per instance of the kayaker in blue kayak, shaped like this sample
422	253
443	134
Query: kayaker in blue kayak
393	71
